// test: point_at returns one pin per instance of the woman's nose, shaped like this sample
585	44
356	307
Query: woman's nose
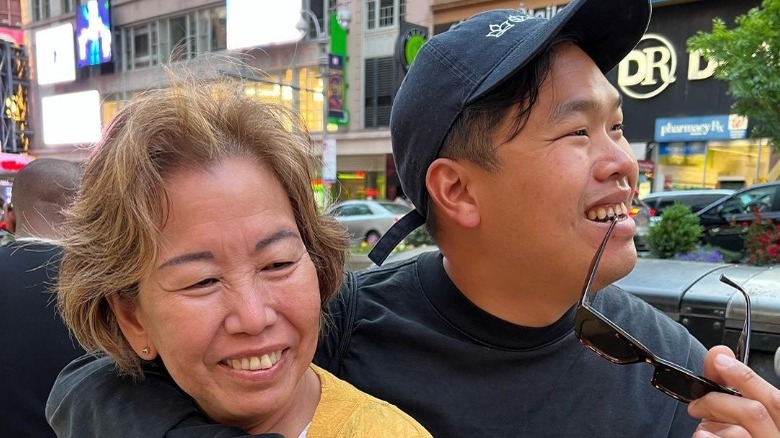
250	310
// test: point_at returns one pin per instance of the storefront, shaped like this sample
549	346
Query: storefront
709	152
673	104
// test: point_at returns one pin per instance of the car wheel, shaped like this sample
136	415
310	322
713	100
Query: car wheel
372	237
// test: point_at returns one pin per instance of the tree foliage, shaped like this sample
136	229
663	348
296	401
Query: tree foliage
748	57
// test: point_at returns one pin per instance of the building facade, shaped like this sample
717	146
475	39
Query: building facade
680	113
145	36
667	91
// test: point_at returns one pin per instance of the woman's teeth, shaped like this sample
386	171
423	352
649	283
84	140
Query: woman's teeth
254	362
609	211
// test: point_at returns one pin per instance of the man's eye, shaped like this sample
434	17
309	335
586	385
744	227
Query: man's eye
580	133
617	127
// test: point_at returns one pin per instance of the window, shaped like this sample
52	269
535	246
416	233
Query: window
211	30
379	91
371	12
140	46
178	40
67	6
173	39
41	9
384	13
759	199
299	89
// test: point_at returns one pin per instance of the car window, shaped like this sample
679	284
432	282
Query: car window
760	198
664	202
360	209
698	202
396	208
351	210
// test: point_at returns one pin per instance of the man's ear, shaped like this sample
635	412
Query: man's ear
132	328
10	218
448	182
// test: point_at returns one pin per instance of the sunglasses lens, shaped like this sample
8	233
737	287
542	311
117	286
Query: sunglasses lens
680	385
608	342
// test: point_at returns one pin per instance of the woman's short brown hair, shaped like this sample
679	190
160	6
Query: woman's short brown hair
112	229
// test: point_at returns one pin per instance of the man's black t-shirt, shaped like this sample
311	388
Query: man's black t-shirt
406	334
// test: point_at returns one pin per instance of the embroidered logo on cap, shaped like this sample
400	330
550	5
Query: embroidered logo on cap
496	30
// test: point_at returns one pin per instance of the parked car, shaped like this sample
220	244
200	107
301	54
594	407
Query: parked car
367	221
725	221
696	199
692	294
642	214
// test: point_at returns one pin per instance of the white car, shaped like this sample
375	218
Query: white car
366	221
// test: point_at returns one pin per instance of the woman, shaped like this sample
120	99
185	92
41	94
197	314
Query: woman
196	242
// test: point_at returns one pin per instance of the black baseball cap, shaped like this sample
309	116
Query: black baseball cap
458	67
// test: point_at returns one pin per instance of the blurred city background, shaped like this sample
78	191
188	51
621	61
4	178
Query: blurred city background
69	65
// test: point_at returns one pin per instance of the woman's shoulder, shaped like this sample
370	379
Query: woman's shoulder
347	411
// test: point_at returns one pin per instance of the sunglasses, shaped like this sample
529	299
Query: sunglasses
611	342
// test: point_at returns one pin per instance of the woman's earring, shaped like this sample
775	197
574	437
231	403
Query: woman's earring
145	351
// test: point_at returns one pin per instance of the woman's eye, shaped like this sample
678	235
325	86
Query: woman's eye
580	133
617	127
277	266
205	283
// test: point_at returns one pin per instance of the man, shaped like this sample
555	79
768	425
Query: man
508	141
36	341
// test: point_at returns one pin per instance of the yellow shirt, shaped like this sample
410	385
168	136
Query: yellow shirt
345	411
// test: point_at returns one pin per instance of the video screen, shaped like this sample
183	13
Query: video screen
93	33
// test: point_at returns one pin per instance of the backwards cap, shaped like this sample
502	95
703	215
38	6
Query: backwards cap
458	67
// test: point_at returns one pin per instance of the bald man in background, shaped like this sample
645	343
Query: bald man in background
36	342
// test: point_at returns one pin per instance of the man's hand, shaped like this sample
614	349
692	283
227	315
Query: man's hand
756	414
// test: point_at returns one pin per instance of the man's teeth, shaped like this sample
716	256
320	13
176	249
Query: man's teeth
604	212
255	362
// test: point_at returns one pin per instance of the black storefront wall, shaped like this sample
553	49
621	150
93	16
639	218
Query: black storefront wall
682	97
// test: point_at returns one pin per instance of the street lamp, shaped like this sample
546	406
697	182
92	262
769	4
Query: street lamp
343	18
322	60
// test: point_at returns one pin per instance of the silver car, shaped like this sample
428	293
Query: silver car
367	221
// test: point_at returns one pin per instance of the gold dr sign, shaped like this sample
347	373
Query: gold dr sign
647	71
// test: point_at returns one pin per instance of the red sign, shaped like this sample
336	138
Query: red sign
647	166
13	162
12	34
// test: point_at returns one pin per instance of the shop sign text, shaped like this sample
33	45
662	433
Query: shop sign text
652	66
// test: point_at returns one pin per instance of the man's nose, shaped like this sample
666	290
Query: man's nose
617	159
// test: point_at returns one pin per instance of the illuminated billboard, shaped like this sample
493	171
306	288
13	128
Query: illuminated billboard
257	23
72	118
55	60
93	33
